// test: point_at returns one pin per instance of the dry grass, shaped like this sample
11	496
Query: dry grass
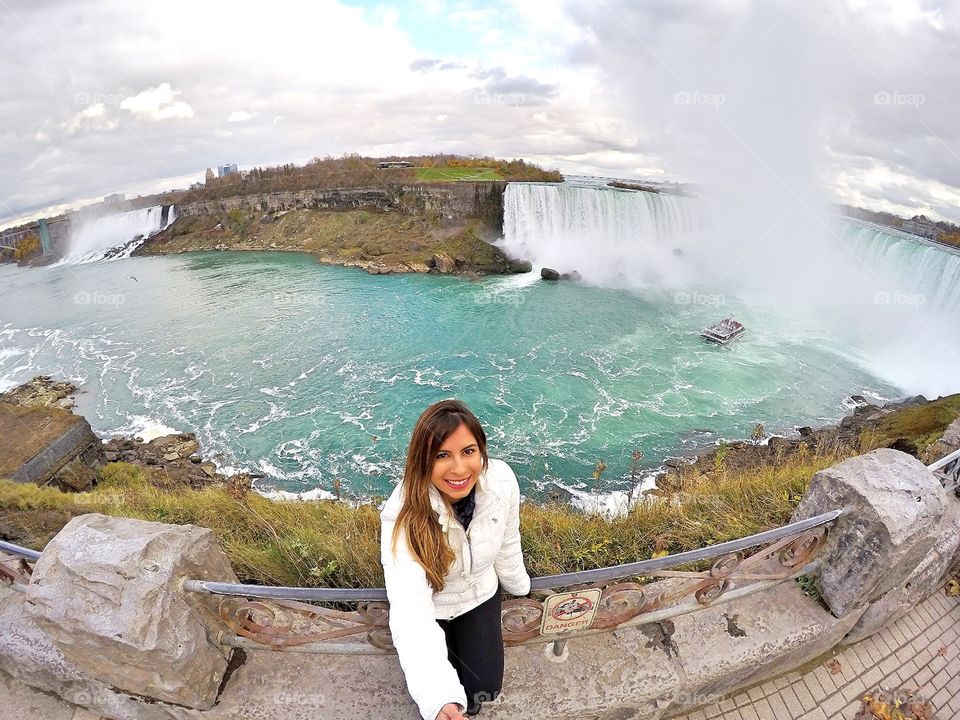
331	544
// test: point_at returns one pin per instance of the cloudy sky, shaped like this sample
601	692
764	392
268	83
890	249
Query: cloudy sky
858	99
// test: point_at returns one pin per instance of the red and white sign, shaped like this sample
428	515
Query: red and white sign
569	611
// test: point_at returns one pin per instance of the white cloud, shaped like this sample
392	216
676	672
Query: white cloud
157	104
92	117
571	85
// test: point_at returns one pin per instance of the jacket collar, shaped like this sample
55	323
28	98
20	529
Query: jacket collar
440	507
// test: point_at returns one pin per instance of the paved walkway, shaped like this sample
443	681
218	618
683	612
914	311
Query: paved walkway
920	650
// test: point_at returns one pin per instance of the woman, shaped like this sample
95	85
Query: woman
450	538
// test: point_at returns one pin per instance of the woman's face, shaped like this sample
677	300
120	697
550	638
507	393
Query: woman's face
457	464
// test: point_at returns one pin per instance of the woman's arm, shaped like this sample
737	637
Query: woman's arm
509	563
418	638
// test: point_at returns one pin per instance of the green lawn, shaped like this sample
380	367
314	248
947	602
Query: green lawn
457	173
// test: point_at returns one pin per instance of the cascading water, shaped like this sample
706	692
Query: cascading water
116	236
889	297
609	236
927	272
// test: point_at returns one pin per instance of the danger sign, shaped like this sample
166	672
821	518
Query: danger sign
569	611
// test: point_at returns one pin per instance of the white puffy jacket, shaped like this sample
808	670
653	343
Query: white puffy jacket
487	554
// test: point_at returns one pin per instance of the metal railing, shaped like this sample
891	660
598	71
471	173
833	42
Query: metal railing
643	567
948	469
259	616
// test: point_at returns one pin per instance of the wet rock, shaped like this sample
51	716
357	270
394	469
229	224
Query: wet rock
573	275
549	274
442	263
520	266
41	391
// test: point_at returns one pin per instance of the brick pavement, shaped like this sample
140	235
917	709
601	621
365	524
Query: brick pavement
905	654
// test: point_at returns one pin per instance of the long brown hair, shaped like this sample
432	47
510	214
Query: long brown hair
425	537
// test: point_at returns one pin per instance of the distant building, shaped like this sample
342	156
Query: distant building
209	178
114	198
923	227
224	170
393	164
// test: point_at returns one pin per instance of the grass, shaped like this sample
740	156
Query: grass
920	425
332	544
457	173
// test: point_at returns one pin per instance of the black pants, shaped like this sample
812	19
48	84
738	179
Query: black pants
475	649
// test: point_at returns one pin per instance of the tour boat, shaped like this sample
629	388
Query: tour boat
724	331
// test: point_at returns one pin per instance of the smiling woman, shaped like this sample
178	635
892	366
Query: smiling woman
450	539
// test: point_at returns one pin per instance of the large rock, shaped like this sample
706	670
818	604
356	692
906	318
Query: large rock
442	263
895	506
30	656
946	444
106	591
925	579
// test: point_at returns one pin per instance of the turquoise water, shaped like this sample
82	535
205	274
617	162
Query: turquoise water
308	373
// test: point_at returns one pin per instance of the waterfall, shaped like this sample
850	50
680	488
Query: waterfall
116	236
609	236
918	270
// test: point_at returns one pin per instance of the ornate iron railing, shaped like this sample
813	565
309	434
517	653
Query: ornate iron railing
278	618
259	616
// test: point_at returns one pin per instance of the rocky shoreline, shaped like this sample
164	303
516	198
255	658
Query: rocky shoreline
380	243
175	460
868	424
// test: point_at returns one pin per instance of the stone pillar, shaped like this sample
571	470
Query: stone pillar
895	544
895	509
106	590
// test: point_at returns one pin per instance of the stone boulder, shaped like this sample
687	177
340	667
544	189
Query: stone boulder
549	274
927	578
28	655
42	391
106	590
442	263
895	508
947	444
520	266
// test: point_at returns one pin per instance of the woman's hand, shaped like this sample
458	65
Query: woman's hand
450	711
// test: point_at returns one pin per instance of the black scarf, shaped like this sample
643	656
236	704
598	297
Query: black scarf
464	507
